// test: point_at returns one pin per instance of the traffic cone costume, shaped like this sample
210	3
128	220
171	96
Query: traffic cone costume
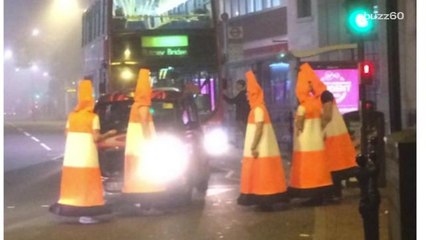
263	178
81	191
310	175
134	181
338	144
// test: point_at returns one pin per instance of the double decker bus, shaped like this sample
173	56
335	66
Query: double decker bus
175	39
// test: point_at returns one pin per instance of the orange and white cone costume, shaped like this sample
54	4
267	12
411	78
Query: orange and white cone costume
134	180
81	191
310	175
262	178
338	144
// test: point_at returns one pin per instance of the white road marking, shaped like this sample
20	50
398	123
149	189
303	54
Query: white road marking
35	139
44	206
45	147
229	174
10	207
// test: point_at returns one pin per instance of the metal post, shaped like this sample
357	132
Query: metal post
393	68
368	173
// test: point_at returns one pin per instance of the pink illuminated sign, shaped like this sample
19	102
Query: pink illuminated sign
343	83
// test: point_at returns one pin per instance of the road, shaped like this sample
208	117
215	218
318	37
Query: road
33	184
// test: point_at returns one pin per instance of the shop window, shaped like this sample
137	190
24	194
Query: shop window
279	84
303	8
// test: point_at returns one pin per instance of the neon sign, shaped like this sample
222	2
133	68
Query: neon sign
343	83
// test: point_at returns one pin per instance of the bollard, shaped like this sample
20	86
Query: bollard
370	196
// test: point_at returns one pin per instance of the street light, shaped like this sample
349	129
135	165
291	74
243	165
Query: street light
35	32
8	54
34	67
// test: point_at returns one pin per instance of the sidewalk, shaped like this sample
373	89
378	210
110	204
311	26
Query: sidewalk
343	221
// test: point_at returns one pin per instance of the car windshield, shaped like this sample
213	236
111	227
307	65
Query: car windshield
115	115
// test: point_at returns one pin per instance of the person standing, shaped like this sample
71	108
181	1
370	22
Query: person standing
81	193
140	131
310	174
242	107
262	173
340	151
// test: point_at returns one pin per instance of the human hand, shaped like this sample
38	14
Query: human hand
255	153
112	132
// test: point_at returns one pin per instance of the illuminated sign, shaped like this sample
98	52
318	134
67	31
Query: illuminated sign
174	45
165	41
343	83
169	51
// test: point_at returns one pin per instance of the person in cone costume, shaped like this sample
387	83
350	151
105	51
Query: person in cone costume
341	154
310	175
137	186
262	174
81	193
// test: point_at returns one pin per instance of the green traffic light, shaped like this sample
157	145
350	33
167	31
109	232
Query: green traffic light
360	21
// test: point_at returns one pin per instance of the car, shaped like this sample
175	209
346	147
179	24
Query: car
179	159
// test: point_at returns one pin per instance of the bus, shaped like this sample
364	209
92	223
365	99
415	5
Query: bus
176	39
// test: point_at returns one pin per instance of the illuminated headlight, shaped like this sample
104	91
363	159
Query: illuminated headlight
164	159
126	74
216	141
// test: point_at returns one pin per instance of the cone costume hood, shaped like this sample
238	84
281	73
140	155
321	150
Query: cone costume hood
143	88
85	96
254	91
307	75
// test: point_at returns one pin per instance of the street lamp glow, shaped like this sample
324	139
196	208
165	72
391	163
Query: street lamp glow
45	74
34	67
17	69
8	54
35	32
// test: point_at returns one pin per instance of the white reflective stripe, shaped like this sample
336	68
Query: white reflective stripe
134	138
336	126
80	150
96	124
268	146
259	115
311	139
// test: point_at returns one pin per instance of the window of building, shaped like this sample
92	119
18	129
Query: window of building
235	8
243	8
266	4
258	5
250	6
303	8
276	3
227	7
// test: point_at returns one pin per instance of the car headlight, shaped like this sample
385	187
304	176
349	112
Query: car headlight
216	141
164	158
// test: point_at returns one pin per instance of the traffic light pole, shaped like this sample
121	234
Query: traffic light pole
367	160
